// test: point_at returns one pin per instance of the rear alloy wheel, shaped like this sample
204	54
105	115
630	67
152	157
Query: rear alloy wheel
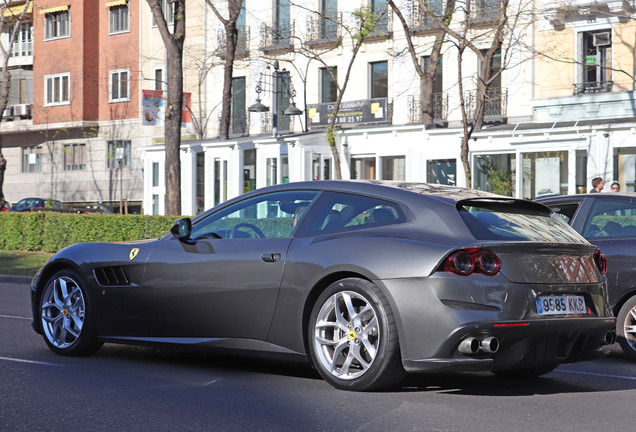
626	328
65	316
353	337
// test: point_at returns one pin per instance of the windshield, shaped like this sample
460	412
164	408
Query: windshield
515	220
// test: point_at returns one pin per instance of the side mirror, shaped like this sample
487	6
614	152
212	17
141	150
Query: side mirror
182	228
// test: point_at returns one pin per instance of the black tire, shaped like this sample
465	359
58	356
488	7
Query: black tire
66	315
353	339
526	373
626	328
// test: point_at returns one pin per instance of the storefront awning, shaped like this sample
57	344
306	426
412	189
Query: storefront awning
116	3
54	9
17	10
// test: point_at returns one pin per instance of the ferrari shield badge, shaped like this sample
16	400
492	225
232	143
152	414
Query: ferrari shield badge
133	253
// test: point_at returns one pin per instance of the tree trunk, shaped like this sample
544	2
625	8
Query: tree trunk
173	41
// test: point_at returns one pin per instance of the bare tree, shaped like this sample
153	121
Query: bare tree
231	41
173	41
427	74
11	18
365	22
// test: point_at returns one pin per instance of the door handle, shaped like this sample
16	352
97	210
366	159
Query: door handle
270	257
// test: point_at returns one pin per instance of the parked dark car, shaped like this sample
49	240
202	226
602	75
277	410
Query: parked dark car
36	204
366	280
608	220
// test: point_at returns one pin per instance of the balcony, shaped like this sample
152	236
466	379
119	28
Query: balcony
285	122
279	37
484	12
419	21
324	30
242	44
440	109
239	124
593	87
496	105
383	27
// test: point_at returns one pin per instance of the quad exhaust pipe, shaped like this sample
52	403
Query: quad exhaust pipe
472	345
610	337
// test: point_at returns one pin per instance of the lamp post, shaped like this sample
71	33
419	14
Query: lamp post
260	107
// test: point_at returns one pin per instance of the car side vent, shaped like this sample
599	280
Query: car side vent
108	276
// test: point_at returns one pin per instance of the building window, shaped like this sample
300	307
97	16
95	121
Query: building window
495	173
168	12
363	168
438	83
381	10
119	19
239	109
328	88
57	25
158	78
119	150
74	157
393	168
379	79
596	60
442	171
283	20
57	89
329	24
119	85
544	174
32	159
155	174
23	44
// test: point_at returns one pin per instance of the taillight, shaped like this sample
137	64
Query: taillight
601	261
467	261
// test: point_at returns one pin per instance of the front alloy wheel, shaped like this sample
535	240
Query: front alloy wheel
64	317
353	338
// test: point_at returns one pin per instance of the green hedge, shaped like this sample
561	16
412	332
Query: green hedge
50	232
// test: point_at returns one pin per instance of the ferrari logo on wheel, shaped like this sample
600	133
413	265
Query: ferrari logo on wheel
133	253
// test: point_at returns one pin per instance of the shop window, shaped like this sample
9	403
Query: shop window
363	168
393	168
495	173
545	174
32	159
442	171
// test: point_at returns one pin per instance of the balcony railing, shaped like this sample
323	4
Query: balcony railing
383	26
242	44
239	124
324	29
496	104
593	87
285	122
419	20
440	108
280	36
484	12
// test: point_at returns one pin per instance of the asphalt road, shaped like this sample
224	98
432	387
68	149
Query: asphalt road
124	388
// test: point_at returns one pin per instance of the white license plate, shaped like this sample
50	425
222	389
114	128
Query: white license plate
559	305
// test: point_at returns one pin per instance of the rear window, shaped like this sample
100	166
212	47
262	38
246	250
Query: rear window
515	220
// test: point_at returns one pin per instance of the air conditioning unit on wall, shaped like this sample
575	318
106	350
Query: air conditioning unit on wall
7	113
601	39
22	110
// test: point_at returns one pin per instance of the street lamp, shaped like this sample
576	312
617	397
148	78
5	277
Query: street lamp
260	107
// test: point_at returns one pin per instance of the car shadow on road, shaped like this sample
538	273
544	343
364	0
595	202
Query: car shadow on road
575	378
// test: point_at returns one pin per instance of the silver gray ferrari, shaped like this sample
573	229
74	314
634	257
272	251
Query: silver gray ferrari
366	281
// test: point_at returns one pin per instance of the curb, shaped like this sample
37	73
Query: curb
16	279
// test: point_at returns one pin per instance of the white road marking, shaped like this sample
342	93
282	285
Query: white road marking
597	374
14	317
29	361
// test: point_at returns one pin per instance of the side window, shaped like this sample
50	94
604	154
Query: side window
611	219
273	215
346	212
566	211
